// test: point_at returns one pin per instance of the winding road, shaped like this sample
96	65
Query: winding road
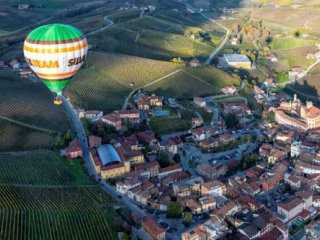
224	41
126	101
301	77
88	163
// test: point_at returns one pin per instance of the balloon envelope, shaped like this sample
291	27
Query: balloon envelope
55	52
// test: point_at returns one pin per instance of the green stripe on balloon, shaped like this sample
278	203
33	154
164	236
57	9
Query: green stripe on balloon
56	86
55	32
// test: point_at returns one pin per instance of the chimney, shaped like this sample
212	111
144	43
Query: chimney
294	97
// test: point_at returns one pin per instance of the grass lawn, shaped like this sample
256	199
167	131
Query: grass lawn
168	125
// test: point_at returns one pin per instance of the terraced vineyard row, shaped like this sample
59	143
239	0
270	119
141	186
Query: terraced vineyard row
54	213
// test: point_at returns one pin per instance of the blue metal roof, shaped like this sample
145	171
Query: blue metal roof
108	154
237	58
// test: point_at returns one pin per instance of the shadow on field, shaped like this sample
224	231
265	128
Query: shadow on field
157	42
304	91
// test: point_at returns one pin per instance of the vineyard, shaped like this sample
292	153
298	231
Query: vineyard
15	137
30	103
109	78
41	167
181	85
43	196
214	76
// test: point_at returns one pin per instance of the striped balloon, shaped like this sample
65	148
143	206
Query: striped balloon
55	52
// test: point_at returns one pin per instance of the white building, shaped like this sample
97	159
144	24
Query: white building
93	115
290	209
200	102
295	149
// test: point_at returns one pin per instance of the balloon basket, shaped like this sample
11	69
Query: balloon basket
57	101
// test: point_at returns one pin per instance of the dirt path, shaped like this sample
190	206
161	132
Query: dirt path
199	79
27	125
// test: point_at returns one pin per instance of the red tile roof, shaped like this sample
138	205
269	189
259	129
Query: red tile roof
305	214
152	226
171	168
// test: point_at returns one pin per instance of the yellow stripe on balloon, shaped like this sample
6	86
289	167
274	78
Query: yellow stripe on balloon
56	74
55	50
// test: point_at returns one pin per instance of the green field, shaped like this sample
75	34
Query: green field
169	125
11	18
45	197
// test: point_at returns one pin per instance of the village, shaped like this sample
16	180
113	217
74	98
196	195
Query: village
248	179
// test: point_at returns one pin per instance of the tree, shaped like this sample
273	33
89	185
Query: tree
177	60
297	34
187	217
231	120
67	137
282	77
174	210
163	159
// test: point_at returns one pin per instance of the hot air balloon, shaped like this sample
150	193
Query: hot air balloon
55	52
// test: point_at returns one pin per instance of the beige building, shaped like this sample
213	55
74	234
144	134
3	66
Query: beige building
294	115
115	170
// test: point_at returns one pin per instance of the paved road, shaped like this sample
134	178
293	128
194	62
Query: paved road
109	24
224	41
89	164
304	74
126	101
26	27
